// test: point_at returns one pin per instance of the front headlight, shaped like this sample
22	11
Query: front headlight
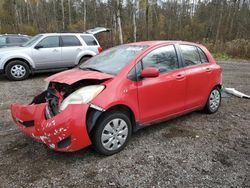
82	96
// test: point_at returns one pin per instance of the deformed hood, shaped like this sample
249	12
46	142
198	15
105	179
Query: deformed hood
74	75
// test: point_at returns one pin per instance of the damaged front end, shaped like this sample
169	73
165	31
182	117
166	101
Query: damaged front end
58	116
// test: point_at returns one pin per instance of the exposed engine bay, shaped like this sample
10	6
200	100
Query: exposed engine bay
57	92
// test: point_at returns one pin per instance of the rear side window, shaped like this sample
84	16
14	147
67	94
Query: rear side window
70	41
202	56
191	55
89	40
163	58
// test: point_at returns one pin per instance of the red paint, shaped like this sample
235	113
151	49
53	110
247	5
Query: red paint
150	72
71	122
74	75
155	98
99	49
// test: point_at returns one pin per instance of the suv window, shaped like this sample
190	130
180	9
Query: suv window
49	42
202	56
70	41
2	40
89	40
14	40
163	58
191	55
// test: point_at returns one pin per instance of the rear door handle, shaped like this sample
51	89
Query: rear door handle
208	69
55	50
180	76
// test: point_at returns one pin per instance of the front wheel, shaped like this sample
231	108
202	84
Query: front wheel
112	133
17	70
213	102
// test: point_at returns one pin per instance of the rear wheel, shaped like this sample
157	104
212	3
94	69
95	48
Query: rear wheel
112	133
83	59
17	70
214	100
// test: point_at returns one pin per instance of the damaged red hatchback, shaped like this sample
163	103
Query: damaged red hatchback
119	91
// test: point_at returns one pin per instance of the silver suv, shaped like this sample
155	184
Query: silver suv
49	51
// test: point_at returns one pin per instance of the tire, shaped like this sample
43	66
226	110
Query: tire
213	101
17	70
83	59
111	133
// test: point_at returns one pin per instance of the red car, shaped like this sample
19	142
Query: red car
119	91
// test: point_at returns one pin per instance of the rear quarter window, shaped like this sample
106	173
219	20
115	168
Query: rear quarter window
89	40
203	56
2	40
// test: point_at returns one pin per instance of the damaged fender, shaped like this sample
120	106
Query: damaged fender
67	131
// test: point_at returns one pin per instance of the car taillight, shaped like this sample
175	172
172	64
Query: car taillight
99	49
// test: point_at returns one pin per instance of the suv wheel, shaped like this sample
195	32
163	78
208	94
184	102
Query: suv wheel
17	70
112	133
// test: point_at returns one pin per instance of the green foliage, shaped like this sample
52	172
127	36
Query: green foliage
221	56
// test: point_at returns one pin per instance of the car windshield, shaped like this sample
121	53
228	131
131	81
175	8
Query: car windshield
113	60
31	41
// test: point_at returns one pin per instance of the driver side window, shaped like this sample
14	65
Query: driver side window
163	58
49	42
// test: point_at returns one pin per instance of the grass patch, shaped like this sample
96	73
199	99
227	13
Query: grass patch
221	56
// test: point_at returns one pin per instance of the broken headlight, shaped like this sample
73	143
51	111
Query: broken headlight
82	96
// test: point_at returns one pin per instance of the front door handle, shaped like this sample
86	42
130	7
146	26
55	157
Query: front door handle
55	50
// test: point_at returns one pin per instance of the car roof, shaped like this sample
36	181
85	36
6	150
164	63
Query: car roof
14	35
161	42
72	33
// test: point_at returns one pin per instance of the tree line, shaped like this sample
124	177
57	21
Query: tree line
221	24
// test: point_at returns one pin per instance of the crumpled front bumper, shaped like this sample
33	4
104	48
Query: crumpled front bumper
65	132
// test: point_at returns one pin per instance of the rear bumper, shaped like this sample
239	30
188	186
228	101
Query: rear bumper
65	132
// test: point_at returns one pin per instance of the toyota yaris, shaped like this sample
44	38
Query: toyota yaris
119	91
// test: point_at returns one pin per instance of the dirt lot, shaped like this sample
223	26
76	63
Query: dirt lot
196	150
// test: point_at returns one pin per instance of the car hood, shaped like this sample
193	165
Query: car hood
74	75
6	50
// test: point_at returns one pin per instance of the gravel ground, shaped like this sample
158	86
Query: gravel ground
196	150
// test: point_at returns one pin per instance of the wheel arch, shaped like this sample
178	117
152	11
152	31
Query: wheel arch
18	59
82	54
86	55
94	115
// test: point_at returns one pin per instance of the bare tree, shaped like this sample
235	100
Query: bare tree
84	14
135	11
63	19
69	7
119	24
147	19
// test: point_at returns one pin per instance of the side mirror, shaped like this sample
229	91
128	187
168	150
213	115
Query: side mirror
150	72
38	46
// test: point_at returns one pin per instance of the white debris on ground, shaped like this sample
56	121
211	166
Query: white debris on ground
236	93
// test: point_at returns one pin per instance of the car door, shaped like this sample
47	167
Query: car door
71	47
198	73
48	53
164	95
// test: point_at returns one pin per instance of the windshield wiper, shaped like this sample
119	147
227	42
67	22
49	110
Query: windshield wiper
89	68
